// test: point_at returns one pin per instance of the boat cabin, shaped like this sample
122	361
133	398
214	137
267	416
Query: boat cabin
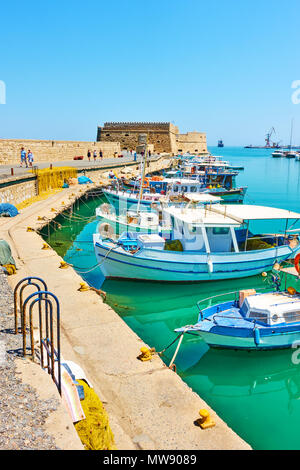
272	308
217	228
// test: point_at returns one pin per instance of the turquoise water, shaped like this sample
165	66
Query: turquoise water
256	393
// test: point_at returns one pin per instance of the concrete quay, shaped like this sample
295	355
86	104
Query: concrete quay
149	406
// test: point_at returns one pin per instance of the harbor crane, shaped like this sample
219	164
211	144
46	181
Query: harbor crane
268	136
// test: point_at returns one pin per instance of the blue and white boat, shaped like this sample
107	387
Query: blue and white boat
252	321
212	243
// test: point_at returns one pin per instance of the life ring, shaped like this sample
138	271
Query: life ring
146	184
296	263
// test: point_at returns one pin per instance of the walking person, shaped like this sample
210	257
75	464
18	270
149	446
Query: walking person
89	155
100	155
95	155
30	158
23	157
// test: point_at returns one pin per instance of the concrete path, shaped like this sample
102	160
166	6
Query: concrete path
149	406
5	170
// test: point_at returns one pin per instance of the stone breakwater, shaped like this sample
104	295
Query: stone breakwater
22	413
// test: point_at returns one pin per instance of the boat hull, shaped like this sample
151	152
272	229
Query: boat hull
276	341
168	266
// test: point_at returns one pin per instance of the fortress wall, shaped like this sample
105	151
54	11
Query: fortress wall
50	150
164	136
193	142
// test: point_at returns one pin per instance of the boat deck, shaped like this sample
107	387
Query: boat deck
231	317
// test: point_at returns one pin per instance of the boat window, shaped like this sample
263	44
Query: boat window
193	189
184	189
263	317
220	230
291	317
175	189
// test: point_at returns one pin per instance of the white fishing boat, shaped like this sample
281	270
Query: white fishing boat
209	243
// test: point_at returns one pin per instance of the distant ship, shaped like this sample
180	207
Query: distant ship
220	143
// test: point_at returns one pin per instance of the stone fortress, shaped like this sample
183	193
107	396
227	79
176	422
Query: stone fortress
112	138
163	136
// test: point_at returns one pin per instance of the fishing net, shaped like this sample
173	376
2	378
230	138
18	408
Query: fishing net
49	179
94	431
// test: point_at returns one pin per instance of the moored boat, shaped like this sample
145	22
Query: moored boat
278	154
251	321
209	243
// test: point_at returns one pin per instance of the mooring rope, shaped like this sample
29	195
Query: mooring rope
88	270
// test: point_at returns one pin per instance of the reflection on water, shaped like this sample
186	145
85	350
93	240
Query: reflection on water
256	393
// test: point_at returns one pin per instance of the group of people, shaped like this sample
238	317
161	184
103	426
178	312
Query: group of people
89	154
26	158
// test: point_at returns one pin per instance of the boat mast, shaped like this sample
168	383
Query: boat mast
143	139
291	137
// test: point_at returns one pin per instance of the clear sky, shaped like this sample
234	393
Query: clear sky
224	67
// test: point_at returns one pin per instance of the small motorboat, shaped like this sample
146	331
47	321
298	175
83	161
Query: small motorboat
251	321
278	154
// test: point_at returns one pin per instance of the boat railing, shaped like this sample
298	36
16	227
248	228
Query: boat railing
235	293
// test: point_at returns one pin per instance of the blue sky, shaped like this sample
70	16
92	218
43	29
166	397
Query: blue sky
222	67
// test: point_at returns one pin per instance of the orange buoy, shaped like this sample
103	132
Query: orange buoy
296	263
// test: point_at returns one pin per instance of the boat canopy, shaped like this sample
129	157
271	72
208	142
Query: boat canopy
234	215
202	197
244	212
202	216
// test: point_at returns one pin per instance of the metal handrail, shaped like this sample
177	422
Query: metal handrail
226	293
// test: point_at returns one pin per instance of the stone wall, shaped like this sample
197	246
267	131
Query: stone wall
21	190
51	151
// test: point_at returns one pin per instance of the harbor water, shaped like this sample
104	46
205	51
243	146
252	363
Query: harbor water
256	393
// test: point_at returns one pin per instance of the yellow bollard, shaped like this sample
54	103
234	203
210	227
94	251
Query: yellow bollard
52	209
45	246
146	354
83	287
205	421
63	265
30	229
40	218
